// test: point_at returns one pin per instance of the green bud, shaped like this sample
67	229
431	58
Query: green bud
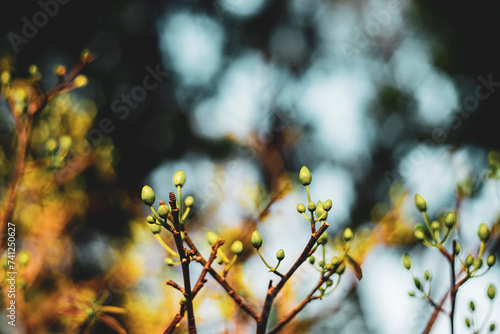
323	239
468	260
179	178
301	208
329	282
256	239
321	263
237	247
340	269
407	261
449	219
411	293
483	232
305	176
334	260
427	275
148	195
491	260
212	237
477	263
219	261
348	234
420	232
155	229
418	285
24	257
435	225
321	290
327	205
311	259
458	248
182	300
491	292
420	203
311	206
319	209
169	262
492	327
280	255
163	210
467	322
150	219
328	266
189	201
472	306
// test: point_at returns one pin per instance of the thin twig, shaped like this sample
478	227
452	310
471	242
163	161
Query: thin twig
184	263
223	282
273	291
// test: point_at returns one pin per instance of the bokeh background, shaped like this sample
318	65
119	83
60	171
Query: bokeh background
380	100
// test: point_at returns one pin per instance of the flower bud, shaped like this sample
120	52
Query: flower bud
148	195
411	293
492	327
311	259
427	275
435	225
491	260
323	239
491	292
449	220
477	263
305	176
329	282
468	260
301	208
169	262
179	178
155	229
256	239
458	248
183	300
420	203
334	260
219	260
472	306
407	261
280	255
319	209
189	201
483	232
311	206
340	269
150	219
212	237
321	263
327	205
348	234
163	210
467	322
24	257
237	247
420	232
418	285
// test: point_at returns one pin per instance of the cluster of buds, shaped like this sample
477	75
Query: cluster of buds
162	216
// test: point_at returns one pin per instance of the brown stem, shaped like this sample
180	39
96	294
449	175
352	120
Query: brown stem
173	324
453	290
223	282
272	292
184	263
206	267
